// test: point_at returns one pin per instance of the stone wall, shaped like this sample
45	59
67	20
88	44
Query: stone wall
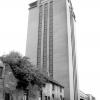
8	85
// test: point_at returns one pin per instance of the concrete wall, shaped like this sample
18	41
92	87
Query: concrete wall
32	37
60	47
63	69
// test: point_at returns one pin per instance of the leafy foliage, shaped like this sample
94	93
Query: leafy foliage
23	70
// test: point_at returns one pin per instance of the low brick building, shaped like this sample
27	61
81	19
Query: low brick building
8	91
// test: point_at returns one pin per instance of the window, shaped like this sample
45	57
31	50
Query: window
53	87
53	96
61	98
1	71
24	97
7	96
60	89
46	98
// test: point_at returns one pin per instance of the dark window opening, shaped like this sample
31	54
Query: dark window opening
61	98
1	71
7	96
60	89
46	98
53	96
81	99
53	87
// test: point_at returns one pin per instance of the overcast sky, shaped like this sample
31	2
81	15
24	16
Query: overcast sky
13	33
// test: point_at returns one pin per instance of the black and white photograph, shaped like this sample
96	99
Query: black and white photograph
49	50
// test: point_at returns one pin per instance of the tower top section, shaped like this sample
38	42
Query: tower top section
35	4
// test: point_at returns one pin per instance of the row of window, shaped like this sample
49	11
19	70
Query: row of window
47	13
8	96
53	88
45	37
53	97
39	38
51	39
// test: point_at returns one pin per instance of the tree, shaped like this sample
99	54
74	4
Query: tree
23	70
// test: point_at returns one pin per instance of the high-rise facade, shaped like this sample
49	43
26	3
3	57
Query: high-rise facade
51	42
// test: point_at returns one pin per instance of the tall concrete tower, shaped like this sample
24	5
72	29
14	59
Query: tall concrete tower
51	42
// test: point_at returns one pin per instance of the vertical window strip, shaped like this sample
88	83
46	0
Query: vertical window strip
45	38
39	38
51	39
